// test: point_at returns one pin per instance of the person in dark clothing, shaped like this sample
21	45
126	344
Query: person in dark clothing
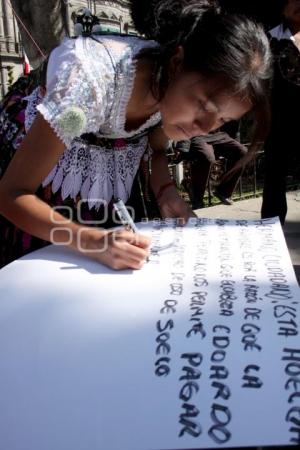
282	146
203	152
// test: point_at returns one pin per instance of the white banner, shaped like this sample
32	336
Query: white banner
199	349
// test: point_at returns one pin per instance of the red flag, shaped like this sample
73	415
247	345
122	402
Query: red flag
26	65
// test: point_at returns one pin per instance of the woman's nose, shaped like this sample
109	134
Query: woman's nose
206	123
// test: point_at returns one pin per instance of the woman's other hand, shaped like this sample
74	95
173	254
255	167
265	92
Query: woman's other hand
172	205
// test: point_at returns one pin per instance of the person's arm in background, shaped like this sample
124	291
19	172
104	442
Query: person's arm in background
169	201
182	149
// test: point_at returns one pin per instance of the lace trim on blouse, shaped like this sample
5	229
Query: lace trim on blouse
94	172
30	112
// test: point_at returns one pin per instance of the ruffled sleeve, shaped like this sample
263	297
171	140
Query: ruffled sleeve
76	97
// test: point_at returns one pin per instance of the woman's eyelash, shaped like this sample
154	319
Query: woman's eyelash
202	105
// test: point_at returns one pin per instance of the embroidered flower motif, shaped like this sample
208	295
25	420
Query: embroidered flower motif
72	121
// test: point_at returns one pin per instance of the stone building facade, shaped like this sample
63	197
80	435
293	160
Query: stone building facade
113	14
10	47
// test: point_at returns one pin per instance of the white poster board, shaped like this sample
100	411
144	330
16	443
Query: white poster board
199	349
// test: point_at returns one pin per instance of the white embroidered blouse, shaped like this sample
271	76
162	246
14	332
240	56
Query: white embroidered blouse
281	32
89	83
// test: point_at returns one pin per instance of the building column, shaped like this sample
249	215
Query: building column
2	79
8	27
1	22
7	20
67	16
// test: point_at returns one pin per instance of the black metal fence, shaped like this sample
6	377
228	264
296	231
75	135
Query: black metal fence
250	184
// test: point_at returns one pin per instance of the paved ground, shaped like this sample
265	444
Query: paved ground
250	209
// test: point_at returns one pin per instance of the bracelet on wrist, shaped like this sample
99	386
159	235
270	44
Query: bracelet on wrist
163	188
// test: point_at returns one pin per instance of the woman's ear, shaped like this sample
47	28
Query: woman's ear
176	61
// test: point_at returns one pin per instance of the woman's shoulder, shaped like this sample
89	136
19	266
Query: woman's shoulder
118	46
60	55
106	50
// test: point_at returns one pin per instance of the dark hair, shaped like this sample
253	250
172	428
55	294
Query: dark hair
281	4
214	43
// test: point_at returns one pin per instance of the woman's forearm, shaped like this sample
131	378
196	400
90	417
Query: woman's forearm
160	175
37	218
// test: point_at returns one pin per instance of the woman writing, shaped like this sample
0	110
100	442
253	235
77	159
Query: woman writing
105	99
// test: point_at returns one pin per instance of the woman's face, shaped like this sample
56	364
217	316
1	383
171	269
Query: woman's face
291	11
194	105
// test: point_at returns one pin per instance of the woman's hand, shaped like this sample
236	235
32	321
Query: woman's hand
119	249
172	205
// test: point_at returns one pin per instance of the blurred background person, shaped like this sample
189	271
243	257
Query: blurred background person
282	149
204	151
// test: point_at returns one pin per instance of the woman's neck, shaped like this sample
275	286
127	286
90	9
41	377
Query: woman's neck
294	27
142	103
